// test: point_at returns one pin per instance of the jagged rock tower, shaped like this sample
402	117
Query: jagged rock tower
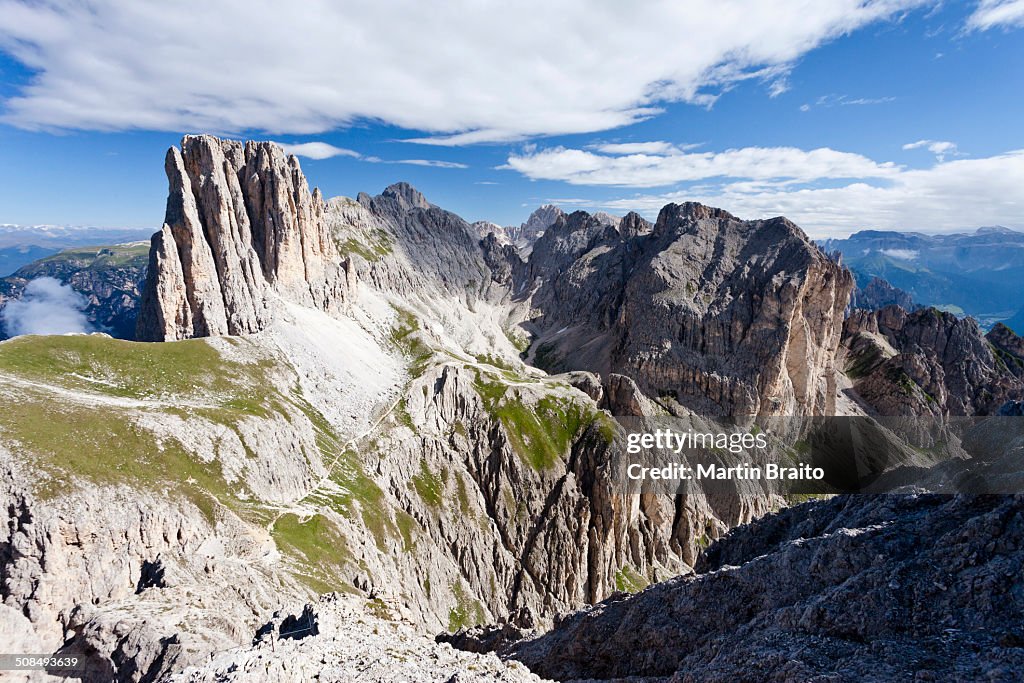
242	232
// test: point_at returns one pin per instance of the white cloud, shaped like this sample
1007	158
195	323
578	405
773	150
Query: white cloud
433	163
833	100
778	87
940	148
901	254
523	68
674	165
46	307
657	147
993	13
949	196
318	150
323	150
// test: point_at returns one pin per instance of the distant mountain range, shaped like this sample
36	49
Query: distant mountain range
21	245
977	273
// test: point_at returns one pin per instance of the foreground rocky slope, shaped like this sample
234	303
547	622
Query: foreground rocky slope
342	639
863	588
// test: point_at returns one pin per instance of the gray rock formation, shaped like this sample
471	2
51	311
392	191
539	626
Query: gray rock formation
727	316
1008	347
355	640
862	588
878	293
241	227
928	363
522	237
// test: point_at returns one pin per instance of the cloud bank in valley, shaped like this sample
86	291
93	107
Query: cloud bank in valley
46	307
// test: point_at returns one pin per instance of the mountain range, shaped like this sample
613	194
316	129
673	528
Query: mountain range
977	273
351	425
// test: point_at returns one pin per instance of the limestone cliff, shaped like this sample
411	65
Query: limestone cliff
241	229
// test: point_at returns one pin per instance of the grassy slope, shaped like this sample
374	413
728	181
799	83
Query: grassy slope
93	433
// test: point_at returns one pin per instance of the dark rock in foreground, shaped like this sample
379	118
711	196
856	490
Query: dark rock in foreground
879	588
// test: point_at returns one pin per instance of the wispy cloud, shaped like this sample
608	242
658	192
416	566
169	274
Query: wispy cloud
282	68
432	163
997	13
940	148
318	150
323	150
833	100
656	147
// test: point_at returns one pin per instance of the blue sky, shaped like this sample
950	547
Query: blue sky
841	114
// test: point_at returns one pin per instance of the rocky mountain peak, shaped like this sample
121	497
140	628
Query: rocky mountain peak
692	211
241	226
633	224
406	195
542	218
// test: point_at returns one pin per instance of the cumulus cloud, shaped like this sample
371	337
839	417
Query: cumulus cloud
46	307
525	68
940	148
948	196
993	13
671	165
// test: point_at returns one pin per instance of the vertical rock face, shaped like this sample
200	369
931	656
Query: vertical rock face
241	229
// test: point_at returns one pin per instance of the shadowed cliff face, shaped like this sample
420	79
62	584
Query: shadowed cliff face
241	229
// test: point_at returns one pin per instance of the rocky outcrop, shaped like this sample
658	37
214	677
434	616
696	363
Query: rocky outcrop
241	229
355	640
878	293
862	588
1008	347
726	316
928	363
